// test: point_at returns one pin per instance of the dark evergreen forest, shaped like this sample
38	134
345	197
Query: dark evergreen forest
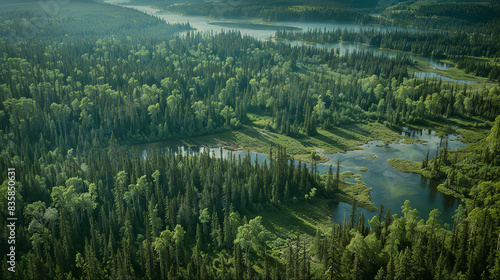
94	79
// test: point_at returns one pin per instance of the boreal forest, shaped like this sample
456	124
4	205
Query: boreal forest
250	139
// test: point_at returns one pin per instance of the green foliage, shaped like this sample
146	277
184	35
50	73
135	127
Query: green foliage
69	97
316	10
457	47
480	18
250	235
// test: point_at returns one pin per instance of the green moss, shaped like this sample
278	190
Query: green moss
285	220
374	156
442	188
358	192
405	165
336	140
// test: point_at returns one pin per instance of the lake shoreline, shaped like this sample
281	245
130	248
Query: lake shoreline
241	140
371	155
415	167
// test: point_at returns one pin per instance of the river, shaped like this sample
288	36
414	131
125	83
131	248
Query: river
389	186
206	24
215	25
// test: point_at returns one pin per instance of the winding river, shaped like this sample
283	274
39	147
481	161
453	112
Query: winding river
209	25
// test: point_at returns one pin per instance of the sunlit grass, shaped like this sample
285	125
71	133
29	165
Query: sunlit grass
453	73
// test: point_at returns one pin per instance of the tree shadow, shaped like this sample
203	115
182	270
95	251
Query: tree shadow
253	133
343	133
283	220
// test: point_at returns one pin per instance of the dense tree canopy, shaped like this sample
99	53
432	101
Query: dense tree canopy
91	207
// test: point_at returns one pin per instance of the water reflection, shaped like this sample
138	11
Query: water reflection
356	47
389	186
428	75
350	180
201	24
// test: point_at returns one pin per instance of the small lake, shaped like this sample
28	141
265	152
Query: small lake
389	186
428	75
215	25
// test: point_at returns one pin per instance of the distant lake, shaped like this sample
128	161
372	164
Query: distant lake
389	186
263	32
202	23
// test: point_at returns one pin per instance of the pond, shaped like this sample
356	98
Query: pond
389	186
208	24
427	75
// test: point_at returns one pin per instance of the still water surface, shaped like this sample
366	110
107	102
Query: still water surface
201	24
389	186
206	25
427	75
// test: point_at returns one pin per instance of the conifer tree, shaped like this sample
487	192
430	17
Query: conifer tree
337	176
425	163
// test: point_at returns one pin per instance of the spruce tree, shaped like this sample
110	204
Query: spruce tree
425	163
337	176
